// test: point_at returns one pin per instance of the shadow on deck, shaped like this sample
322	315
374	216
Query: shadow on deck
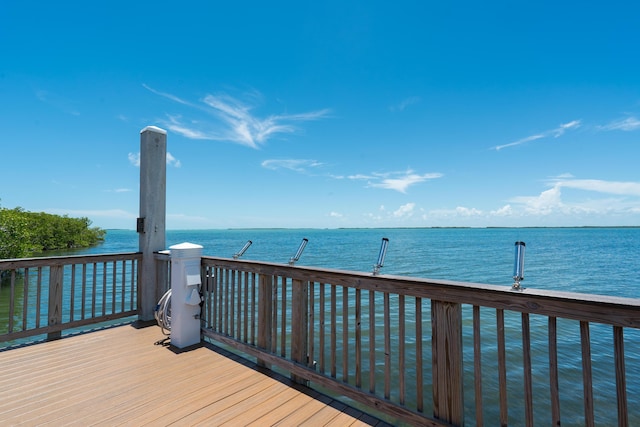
124	375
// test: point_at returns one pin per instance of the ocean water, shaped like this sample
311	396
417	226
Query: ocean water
602	261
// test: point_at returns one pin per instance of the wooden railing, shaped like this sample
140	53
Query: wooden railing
423	352
431	352
48	295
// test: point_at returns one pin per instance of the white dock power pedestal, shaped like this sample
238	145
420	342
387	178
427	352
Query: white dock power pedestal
185	294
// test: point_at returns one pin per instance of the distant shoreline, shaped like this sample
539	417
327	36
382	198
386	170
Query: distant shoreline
393	228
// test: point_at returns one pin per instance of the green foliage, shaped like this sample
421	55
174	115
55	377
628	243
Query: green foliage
24	234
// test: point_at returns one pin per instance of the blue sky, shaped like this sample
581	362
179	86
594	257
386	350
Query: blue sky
325	114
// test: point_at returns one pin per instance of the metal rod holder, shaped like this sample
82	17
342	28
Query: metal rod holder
381	255
518	266
243	250
296	257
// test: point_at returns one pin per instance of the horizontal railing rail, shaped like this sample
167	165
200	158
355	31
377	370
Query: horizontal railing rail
433	352
41	296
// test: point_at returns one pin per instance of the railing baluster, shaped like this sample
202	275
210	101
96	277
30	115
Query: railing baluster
25	299
38	297
502	369
215	299
114	289
419	366
299	327
283	318
274	314
585	341
12	298
94	290
526	358
123	281
477	365
72	296
84	291
401	347
133	294
621	381
253	308
219	298
246	307
387	347
372	342
104	288
345	334
321	340
232	304
554	387
358	355
333	337
227	296
311	321
265	317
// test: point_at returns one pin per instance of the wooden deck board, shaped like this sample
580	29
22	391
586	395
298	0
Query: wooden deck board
119	376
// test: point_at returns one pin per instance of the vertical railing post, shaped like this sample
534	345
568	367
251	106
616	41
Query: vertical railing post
55	300
151	223
299	326
446	324
265	314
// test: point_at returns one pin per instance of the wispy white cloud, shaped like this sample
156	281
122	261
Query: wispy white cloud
120	190
628	188
626	124
556	132
398	181
134	159
167	95
405	103
172	161
231	119
360	176
297	165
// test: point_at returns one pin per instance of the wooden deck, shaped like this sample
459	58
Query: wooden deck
121	376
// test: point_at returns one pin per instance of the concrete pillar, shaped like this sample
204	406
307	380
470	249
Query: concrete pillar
151	223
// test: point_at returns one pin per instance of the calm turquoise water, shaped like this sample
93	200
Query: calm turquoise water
601	261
